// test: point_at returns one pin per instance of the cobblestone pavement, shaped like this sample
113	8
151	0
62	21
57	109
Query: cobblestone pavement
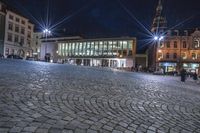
41	97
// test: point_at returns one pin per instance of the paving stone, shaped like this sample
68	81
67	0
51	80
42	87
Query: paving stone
29	129
43	97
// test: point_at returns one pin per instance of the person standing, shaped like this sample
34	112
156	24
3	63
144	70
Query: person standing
183	75
195	77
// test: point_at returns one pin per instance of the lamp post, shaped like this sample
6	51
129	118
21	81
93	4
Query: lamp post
46	32
157	40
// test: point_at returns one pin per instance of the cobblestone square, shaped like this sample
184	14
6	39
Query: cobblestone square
37	97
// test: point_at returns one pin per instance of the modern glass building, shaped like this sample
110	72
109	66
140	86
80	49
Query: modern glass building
108	52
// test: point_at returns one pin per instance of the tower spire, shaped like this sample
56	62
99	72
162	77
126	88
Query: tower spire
159	8
159	22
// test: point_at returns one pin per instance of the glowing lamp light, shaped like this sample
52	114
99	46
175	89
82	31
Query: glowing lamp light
156	38
46	31
159	51
161	38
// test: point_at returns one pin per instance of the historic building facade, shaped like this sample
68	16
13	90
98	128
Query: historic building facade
176	50
2	26
159	27
18	34
180	50
37	41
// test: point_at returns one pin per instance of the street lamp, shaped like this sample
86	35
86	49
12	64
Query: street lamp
157	39
46	32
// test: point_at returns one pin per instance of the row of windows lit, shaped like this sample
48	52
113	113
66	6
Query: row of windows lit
196	44
109	48
11	17
17	39
174	56
175	44
17	29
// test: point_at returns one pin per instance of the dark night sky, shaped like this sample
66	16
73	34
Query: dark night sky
107	18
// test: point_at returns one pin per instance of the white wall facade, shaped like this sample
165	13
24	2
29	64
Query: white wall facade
18	35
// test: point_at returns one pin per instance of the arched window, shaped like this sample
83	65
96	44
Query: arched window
175	44
175	55
184	44
168	44
167	55
194	56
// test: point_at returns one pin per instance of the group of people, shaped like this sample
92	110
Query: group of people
183	74
47	58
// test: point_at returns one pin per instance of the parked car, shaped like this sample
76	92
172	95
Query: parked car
12	56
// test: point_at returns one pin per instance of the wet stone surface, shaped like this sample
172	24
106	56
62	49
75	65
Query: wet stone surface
52	98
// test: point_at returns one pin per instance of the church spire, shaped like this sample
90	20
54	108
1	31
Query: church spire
159	22
159	8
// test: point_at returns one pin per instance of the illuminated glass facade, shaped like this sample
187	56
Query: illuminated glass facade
97	48
112	52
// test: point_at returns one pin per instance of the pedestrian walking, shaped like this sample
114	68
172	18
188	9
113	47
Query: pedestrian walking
183	75
195	77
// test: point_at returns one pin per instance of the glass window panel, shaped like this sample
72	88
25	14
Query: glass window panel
100	48
80	48
92	49
88	48
125	45
63	49
77	49
96	48
84	48
130	46
70	49
59	49
66	49
73	48
110	43
105	48
115	47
